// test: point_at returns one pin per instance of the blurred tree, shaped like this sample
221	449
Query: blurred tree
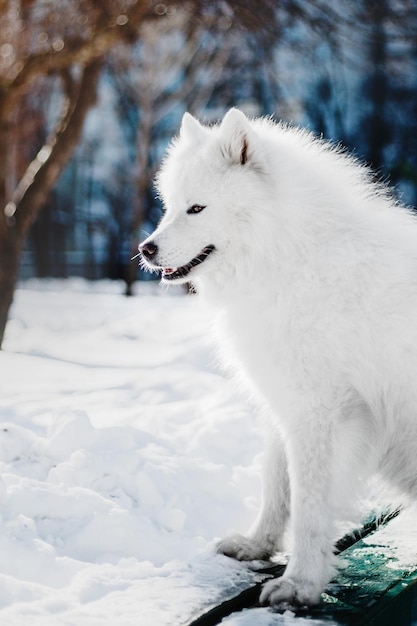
366	95
389	126
46	42
39	42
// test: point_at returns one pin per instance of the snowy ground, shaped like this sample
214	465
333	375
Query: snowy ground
123	454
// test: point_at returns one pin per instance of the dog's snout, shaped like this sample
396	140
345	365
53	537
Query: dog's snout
148	249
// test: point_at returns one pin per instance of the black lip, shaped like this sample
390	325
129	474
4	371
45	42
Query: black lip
182	272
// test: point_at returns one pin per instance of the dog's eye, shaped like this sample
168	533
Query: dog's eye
196	208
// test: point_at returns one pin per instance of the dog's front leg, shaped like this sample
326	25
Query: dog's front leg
311	564
266	537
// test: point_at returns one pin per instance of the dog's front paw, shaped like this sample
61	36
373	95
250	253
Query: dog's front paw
244	548
285	591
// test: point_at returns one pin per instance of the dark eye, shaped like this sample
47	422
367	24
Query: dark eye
196	208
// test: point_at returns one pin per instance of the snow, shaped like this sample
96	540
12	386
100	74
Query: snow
124	453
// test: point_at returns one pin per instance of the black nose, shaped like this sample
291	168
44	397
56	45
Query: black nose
148	249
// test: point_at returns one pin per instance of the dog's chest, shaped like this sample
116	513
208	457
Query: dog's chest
272	344
253	338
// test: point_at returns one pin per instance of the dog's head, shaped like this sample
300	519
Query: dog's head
206	182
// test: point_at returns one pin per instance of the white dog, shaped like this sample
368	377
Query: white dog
311	271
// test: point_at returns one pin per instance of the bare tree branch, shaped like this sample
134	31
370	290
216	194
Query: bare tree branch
74	51
43	171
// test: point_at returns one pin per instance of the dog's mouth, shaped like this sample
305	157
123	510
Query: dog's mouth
172	273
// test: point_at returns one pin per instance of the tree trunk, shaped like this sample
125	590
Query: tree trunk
142	185
378	133
32	192
11	244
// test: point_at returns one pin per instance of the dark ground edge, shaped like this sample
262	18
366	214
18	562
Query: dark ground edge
249	597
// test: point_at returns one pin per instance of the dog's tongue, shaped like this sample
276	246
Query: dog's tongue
168	270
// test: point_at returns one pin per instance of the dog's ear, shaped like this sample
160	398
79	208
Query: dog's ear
191	129
236	137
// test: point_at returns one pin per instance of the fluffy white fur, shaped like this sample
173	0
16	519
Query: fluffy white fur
313	287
